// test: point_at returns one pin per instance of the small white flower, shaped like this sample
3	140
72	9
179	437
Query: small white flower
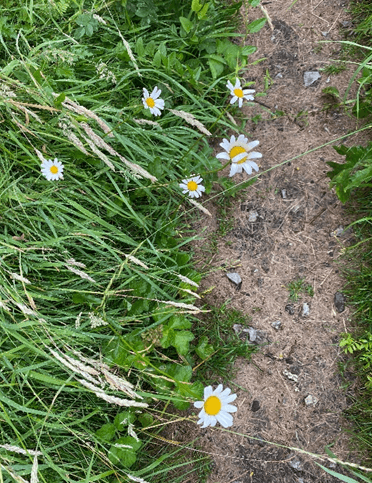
52	170
192	186
237	151
151	101
238	93
216	407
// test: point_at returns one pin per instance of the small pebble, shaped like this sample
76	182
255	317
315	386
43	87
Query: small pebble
290	376
277	324
235	278
310	400
279	76
305	310
311	77
295	464
255	405
284	194
339	301
253	215
290	309
337	232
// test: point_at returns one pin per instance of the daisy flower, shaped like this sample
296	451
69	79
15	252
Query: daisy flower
238	93
237	150
216	407
52	170
192	186
151	101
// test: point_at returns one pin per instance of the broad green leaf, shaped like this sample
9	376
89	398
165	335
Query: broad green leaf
203	12
195	5
83	19
126	455
123	419
89	29
145	419
106	432
157	59
182	340
179	322
254	3
79	32
140	48
248	49
216	67
256	25
339	476
204	349
186	24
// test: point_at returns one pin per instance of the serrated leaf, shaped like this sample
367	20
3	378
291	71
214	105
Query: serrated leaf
181	341
106	432
248	49
256	25
186	24
204	349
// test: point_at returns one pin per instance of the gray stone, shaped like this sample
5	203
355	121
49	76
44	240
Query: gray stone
279	76
290	376
254	336
310	77
310	400
325	34
290	309
255	405
305	310
295	464
253	215
284	194
339	301
277	324
235	278
337	232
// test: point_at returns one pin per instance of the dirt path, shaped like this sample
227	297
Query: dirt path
282	232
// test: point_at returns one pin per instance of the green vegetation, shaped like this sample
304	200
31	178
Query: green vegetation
97	291
298	286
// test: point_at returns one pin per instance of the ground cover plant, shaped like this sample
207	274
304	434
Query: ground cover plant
97	292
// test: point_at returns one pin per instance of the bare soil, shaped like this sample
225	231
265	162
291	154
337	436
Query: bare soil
291	237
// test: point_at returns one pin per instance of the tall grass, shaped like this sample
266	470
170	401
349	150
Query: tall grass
97	291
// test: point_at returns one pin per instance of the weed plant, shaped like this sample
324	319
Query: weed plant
96	290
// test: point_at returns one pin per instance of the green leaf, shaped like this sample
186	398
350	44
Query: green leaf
157	59
195	5
79	32
339	476
204	349
203	12
83	19
256	25
106	432
331	91
145	419
179	322
248	49
216	67
182	340
125	456
89	29
140	48
254	3
58	100
362	109
182	373
186	24
168	338
123	419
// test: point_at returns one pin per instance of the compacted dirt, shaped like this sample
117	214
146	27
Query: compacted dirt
285	229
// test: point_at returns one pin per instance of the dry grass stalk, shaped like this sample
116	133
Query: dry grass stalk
74	367
73	106
25	309
15	276
194	294
145	121
266	13
130	53
200	206
3	306
181	305
16	477
112	399
231	118
131	431
28	113
101	156
73	262
120	384
187	280
17	449
136	479
34	477
80	273
190	119
74	139
103	145
136	261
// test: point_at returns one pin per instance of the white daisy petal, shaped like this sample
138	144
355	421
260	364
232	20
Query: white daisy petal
247	168
155	93
249	98
192	186
218	390
234	99
232	139
201	188
146	94
225	419
213	421
240	101
229	86
230	408
235	168
254	155
242	139
230	398
254	166
199	404
208	391
223	156
253	144
225	145
237	84
225	393
159	103
239	157
248	91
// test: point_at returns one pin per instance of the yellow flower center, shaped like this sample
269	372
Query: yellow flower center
238	150
192	186
150	102
212	405
238	92
54	169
